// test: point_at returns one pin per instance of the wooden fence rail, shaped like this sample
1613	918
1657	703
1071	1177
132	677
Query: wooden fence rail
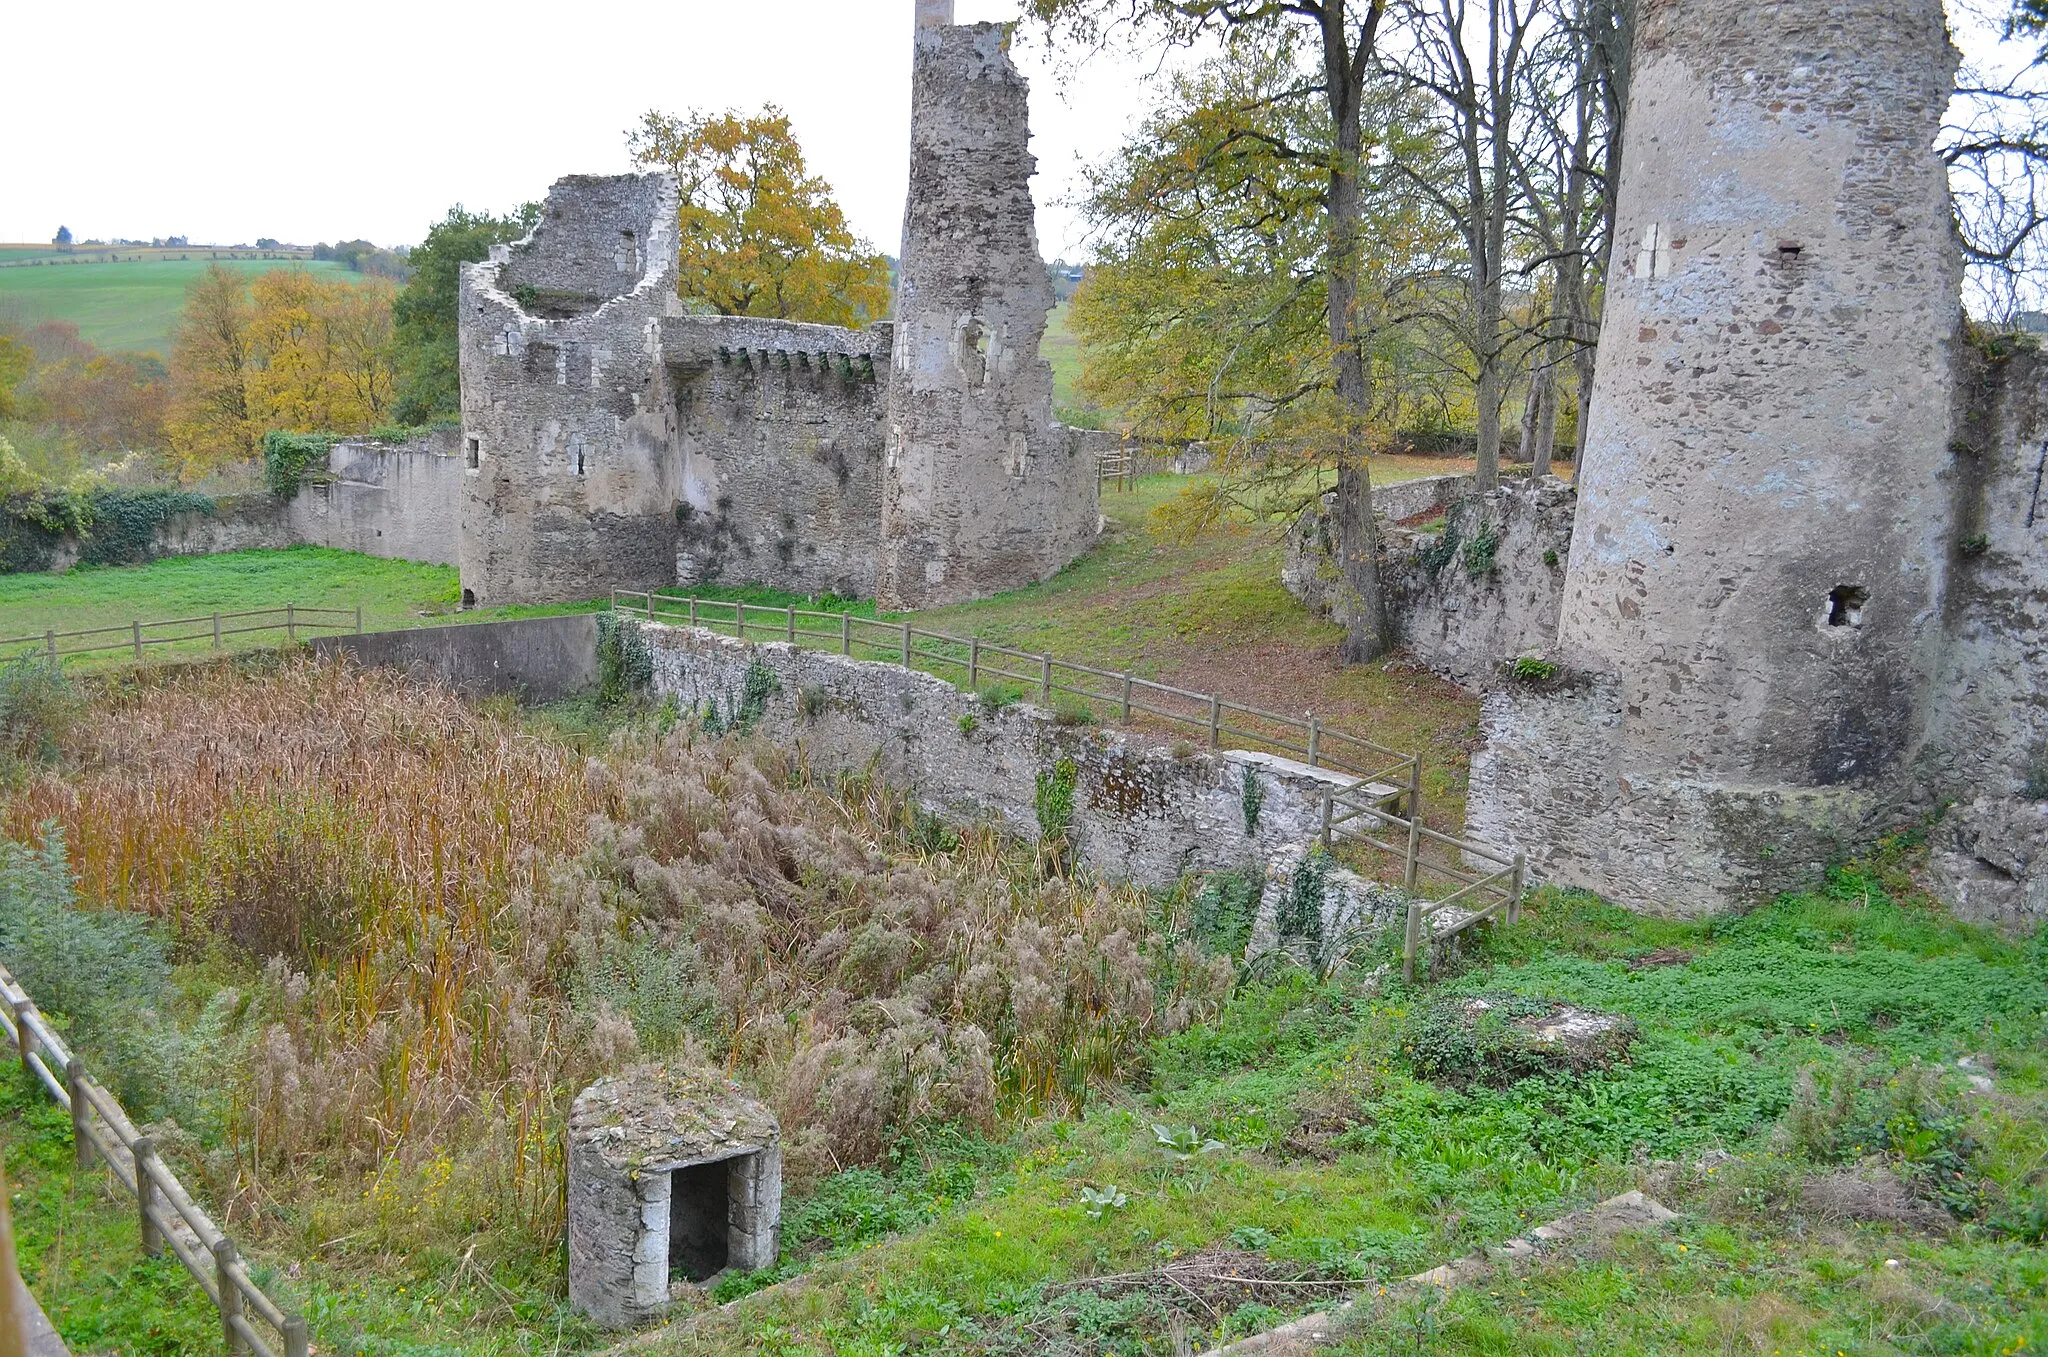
167	1217
137	636
1104	691
1386	798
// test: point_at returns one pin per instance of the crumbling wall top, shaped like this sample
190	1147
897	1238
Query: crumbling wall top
658	1116
600	237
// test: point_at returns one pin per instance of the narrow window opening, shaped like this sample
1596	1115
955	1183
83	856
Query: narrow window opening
697	1221
476	453
576	451
469	598
1845	605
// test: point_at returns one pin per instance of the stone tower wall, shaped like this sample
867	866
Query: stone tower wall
571	492
779	430
1758	568
982	491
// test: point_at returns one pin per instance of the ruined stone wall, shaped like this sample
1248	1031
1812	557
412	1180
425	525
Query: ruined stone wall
1139	812
1309	568
399	501
571	491
1758	570
1484	588
1987	747
982	490
779	431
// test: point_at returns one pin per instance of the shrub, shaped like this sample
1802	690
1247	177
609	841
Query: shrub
1531	669
288	456
102	973
1222	912
625	666
1054	802
37	707
1072	711
998	697
1252	798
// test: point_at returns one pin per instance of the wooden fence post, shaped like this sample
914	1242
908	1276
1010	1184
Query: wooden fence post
1515	890
1215	721
1329	806
137	633
21	1036
1414	863
792	623
291	623
81	1113
739	618
1411	942
846	634
650	605
906	645
1315	739
216	631
1045	680
230	1294
295	1342
1127	697
145	1197
973	664
50	644
359	619
693	612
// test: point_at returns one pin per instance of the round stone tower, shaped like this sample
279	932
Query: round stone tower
1759	556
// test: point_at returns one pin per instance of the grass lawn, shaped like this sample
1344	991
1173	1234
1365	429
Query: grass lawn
1360	1135
391	593
125	305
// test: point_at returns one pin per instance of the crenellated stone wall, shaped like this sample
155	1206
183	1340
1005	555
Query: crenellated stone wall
616	441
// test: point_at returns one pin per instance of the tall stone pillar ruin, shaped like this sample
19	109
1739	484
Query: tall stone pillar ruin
1752	614
981	489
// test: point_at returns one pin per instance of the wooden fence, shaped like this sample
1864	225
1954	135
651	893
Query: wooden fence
165	1212
1388	773
1440	872
138	637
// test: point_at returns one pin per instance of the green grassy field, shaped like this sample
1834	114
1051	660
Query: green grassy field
122	305
1357	1134
390	593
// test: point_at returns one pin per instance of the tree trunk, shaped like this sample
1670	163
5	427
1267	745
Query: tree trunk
1360	606
1546	412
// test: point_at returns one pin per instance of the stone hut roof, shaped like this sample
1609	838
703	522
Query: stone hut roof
659	1116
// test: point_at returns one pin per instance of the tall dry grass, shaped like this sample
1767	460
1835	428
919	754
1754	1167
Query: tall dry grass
449	924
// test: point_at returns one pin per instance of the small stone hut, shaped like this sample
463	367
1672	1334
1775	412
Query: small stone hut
675	1175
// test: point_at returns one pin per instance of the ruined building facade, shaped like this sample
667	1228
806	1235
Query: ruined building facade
1801	601
614	440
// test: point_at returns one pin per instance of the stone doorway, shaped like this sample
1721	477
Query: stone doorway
699	1206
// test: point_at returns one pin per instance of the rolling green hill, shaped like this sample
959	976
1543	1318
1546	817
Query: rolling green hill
129	304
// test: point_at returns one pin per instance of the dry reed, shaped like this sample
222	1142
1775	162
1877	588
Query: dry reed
459	922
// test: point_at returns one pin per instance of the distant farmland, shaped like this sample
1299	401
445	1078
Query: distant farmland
125	296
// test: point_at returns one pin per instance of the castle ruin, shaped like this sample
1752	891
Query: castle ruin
616	440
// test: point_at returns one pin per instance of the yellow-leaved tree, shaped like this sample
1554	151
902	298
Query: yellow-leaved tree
760	234
289	351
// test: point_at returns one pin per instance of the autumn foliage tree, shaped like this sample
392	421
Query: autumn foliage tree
760	234
289	351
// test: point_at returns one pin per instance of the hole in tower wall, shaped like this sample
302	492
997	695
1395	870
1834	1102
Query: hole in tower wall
698	1213
469	598
1845	605
476	453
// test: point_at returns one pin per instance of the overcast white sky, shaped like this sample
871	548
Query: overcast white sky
241	120
310	123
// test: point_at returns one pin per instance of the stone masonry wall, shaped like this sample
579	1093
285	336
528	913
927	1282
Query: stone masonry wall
1139	812
1758	572
401	502
779	431
571	489
1463	607
1987	747
982	491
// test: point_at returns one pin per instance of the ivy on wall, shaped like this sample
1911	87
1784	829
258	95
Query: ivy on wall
286	456
111	527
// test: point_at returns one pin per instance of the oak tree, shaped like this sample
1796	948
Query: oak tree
760	235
